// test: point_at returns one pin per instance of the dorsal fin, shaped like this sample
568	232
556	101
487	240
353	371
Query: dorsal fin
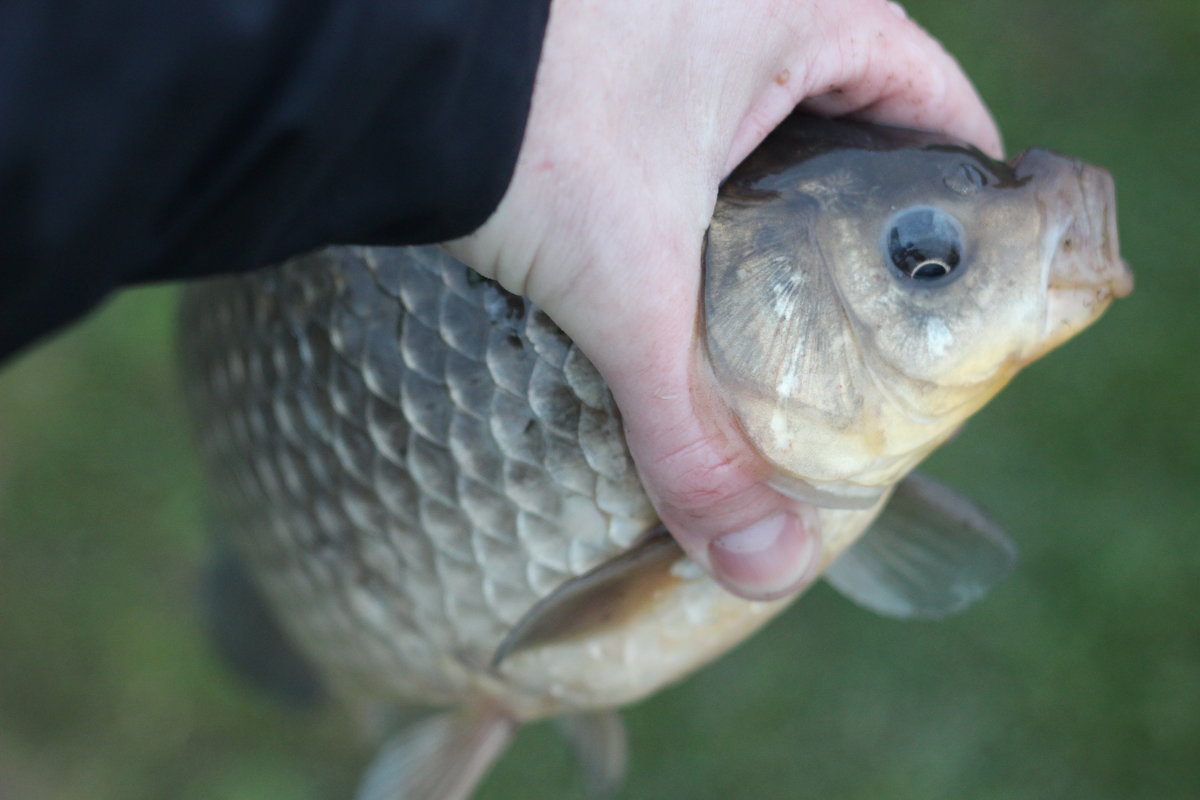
930	554
443	757
607	595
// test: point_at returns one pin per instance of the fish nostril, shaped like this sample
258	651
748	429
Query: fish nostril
1075	235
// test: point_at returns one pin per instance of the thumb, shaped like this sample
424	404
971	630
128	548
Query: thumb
710	487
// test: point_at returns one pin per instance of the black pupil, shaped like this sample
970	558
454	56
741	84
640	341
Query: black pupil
924	244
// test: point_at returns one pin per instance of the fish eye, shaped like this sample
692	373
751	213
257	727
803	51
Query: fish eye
924	243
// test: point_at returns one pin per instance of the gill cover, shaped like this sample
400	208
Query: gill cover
868	288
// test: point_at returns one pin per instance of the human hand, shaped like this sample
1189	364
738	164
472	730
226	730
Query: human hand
637	116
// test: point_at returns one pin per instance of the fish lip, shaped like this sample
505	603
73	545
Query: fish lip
1100	188
1084	271
1115	278
1117	287
1084	250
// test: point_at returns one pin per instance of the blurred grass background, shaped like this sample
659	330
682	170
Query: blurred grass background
1079	677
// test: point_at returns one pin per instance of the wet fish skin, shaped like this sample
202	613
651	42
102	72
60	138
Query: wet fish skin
414	461
398	446
865	382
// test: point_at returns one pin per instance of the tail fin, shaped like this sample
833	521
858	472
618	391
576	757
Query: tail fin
442	757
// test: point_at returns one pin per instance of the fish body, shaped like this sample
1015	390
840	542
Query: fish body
402	485
429	480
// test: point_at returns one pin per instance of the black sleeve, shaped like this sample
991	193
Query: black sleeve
145	140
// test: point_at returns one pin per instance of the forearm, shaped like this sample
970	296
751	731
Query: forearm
143	142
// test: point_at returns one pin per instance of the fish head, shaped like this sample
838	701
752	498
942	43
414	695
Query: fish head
867	289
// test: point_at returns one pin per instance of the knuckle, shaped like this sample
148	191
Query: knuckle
704	484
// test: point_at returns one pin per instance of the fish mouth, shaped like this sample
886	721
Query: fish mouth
1085	271
1087	248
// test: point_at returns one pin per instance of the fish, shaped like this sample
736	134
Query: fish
428	482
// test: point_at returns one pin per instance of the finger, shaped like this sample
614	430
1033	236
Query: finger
756	543
709	486
627	214
877	64
894	72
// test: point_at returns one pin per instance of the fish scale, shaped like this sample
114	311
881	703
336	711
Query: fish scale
430	473
430	481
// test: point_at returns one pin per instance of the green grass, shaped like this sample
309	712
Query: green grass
1079	677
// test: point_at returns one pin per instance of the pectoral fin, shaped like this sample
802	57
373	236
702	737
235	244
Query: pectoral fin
607	595
442	757
930	554
246	634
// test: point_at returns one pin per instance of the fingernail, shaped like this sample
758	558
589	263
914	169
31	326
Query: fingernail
769	559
